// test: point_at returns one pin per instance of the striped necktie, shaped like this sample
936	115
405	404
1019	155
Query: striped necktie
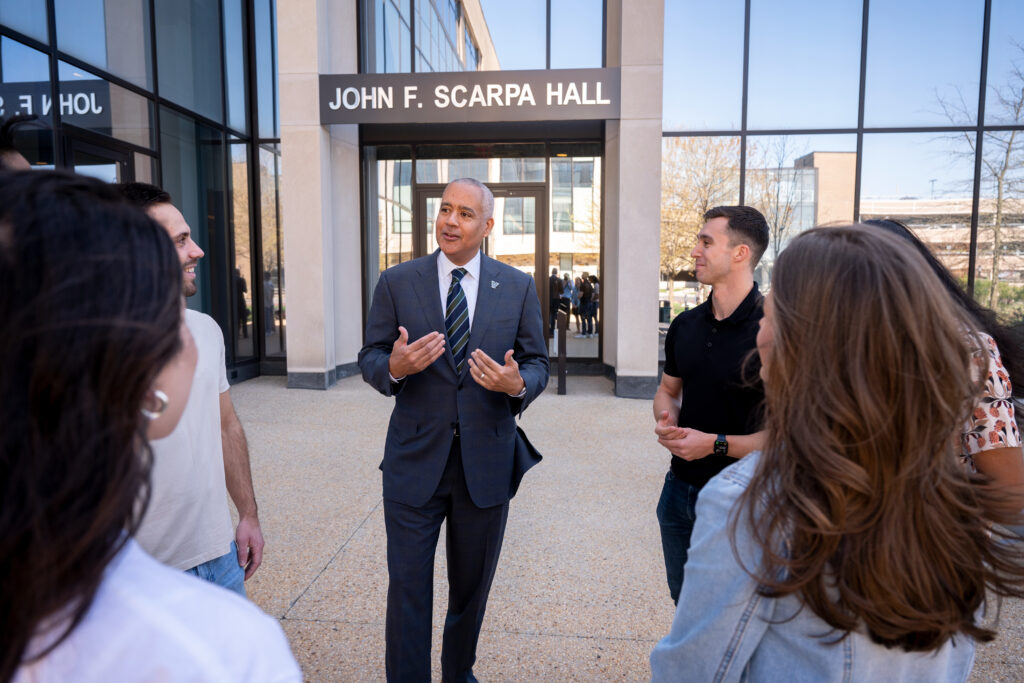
456	320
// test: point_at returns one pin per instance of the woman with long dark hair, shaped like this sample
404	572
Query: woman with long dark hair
96	360
854	546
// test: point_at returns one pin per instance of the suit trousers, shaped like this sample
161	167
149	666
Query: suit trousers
473	544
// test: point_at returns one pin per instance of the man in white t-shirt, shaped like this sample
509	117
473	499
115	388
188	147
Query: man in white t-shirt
188	524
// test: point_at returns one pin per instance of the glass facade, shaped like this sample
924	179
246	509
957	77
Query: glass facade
787	90
27	17
906	111
112	35
179	94
272	286
547	209
401	36
699	29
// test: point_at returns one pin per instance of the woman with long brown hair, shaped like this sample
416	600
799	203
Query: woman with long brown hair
854	546
96	360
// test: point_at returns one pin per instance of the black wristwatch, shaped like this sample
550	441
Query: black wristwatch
721	445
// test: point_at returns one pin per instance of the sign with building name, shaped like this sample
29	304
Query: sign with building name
85	103
464	96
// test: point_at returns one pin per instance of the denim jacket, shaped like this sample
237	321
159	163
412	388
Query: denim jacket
725	631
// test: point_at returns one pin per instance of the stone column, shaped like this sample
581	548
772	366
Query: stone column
319	195
632	199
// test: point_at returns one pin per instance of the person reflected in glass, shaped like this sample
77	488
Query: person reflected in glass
853	546
554	294
586	289
242	308
97	361
268	303
565	301
576	314
595	302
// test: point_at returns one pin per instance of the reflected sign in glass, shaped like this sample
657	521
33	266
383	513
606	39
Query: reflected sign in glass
87	101
537	95
123	114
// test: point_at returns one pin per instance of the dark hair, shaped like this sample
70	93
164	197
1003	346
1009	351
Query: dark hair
1009	340
859	505
7	127
593	278
746	225
143	194
91	309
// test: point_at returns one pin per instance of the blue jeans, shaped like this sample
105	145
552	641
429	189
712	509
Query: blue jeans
676	515
222	571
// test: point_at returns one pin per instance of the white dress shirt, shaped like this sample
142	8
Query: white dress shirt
470	282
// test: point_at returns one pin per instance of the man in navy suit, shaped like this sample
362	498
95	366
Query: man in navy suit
451	441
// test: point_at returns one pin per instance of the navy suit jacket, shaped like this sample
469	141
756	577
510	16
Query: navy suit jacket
430	403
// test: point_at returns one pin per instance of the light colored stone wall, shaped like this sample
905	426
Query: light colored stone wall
319	194
632	197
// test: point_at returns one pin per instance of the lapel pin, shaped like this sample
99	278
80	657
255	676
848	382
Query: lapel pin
494	285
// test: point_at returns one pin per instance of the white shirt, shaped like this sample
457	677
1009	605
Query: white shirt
470	282
149	622
188	521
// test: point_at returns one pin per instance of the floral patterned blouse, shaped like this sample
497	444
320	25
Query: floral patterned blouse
993	424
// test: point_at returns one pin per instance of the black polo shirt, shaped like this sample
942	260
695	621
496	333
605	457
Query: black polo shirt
722	391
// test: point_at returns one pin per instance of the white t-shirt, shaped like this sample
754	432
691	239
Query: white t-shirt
188	521
151	623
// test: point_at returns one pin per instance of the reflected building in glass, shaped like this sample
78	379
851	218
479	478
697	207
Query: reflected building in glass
182	95
849	123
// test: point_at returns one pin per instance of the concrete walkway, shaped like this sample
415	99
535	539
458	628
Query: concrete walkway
580	593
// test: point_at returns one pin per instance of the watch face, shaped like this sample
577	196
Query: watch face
721	447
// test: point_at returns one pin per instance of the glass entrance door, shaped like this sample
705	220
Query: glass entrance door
522	238
518	237
547	217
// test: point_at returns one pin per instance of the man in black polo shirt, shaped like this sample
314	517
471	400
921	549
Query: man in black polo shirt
708	406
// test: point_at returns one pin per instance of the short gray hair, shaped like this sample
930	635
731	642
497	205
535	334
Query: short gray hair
488	196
